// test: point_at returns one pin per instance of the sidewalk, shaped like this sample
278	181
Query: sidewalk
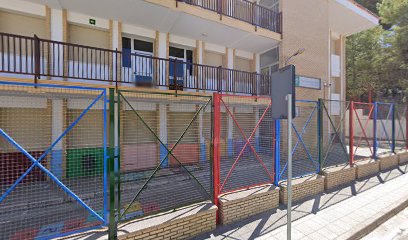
340	214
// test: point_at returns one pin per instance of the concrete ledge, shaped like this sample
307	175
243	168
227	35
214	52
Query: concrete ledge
242	204
388	161
402	157
368	167
338	176
178	224
358	232
302	188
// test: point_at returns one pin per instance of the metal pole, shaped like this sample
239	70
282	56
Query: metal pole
216	149
277	151
289	213
351	133
320	133
111	166
375	143
393	128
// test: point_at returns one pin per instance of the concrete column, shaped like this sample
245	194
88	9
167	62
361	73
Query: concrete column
163	133
230	141
57	122
57	107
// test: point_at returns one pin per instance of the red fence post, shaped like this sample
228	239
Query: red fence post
216	149
351	133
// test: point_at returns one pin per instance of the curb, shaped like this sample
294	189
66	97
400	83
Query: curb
378	219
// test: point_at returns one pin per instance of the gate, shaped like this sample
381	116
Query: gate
165	142
245	137
52	160
333	132
304	141
362	132
401	126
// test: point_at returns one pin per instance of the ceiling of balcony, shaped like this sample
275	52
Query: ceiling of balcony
156	17
347	17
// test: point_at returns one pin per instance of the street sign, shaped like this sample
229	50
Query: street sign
283	83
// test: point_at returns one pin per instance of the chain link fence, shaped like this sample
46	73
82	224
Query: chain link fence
246	142
165	152
52	160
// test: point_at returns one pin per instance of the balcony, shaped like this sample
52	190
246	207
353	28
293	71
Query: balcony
41	58
243	10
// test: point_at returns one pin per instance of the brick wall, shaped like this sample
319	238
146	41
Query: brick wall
338	176
242	204
367	168
180	224
309	30
302	188
403	158
388	161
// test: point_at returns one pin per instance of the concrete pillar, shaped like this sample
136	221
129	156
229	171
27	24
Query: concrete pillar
257	142
230	141
57	21
57	122
163	133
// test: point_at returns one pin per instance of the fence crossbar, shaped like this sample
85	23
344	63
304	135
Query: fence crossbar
35	163
336	131
300	137
169	152
383	125
52	176
363	129
246	144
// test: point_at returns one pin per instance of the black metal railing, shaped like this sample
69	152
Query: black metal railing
243	10
37	57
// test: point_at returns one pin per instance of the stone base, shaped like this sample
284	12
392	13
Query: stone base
368	167
178	224
388	161
242	204
338	176
302	188
402	157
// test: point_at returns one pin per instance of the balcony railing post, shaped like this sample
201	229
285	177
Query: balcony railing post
219	79
219	7
37	58
254	17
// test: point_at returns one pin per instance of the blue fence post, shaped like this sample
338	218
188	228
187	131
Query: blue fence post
375	143
277	152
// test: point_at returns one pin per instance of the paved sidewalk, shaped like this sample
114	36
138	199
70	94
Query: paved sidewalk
335	215
396	228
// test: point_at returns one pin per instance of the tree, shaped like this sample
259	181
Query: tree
377	59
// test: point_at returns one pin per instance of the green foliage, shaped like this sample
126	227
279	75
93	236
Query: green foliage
377	59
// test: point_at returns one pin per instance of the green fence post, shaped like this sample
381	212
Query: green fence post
393	127
320	133
111	166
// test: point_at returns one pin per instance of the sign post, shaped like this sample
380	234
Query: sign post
283	100
289	213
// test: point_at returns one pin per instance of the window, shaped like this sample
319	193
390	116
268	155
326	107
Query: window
182	55
140	47
269	61
143	46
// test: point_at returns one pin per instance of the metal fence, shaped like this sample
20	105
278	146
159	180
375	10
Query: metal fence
384	128
165	152
401	126
304	141
243	10
172	149
52	160
35	57
246	143
361	124
333	131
